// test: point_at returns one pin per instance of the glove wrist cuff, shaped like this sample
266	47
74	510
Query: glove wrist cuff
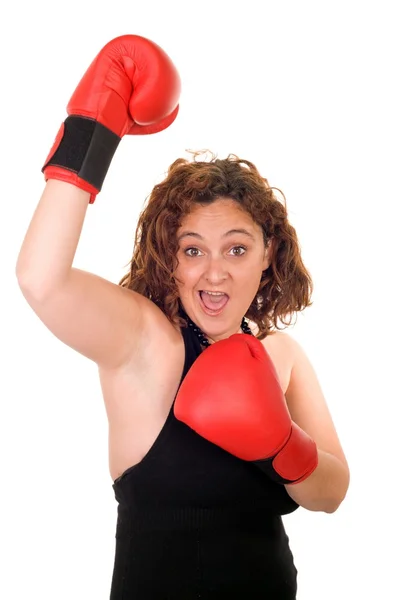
84	147
295	462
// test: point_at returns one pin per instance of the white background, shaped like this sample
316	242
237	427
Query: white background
309	92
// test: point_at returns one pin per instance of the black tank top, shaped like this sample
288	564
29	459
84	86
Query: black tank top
188	485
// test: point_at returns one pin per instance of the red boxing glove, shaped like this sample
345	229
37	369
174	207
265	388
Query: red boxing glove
131	87
232	397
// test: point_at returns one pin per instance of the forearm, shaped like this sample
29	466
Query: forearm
325	488
50	243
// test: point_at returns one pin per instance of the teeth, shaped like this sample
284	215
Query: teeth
214	293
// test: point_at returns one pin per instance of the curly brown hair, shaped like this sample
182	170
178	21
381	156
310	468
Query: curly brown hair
286	285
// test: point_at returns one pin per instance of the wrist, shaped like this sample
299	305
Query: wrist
295	461
81	154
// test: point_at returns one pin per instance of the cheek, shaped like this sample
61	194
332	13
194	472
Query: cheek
187	273
250	279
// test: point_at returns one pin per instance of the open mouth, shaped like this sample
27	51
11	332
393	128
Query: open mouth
213	303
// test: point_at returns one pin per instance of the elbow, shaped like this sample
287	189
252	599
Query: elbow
325	505
335	501
332	507
35	287
27	282
29	289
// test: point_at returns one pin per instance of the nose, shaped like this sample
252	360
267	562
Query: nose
216	270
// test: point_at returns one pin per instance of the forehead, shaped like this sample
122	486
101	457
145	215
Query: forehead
221	219
218	212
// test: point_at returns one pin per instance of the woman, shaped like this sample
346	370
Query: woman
218	425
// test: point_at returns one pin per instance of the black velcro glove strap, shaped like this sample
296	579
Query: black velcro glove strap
86	148
266	467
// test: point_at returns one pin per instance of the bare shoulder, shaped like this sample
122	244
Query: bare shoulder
151	375
159	334
279	341
280	338
138	394
279	346
160	343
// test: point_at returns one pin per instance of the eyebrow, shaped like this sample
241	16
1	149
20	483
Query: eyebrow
230	232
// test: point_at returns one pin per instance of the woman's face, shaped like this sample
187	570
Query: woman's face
221	249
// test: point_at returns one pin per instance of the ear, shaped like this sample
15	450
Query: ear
268	254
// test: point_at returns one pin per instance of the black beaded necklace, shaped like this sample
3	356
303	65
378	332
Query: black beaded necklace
203	340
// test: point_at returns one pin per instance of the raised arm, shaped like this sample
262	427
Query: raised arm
99	319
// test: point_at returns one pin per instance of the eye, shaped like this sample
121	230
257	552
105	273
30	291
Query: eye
193	252
243	248
189	250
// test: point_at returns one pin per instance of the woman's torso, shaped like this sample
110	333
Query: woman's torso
138	398
194	521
